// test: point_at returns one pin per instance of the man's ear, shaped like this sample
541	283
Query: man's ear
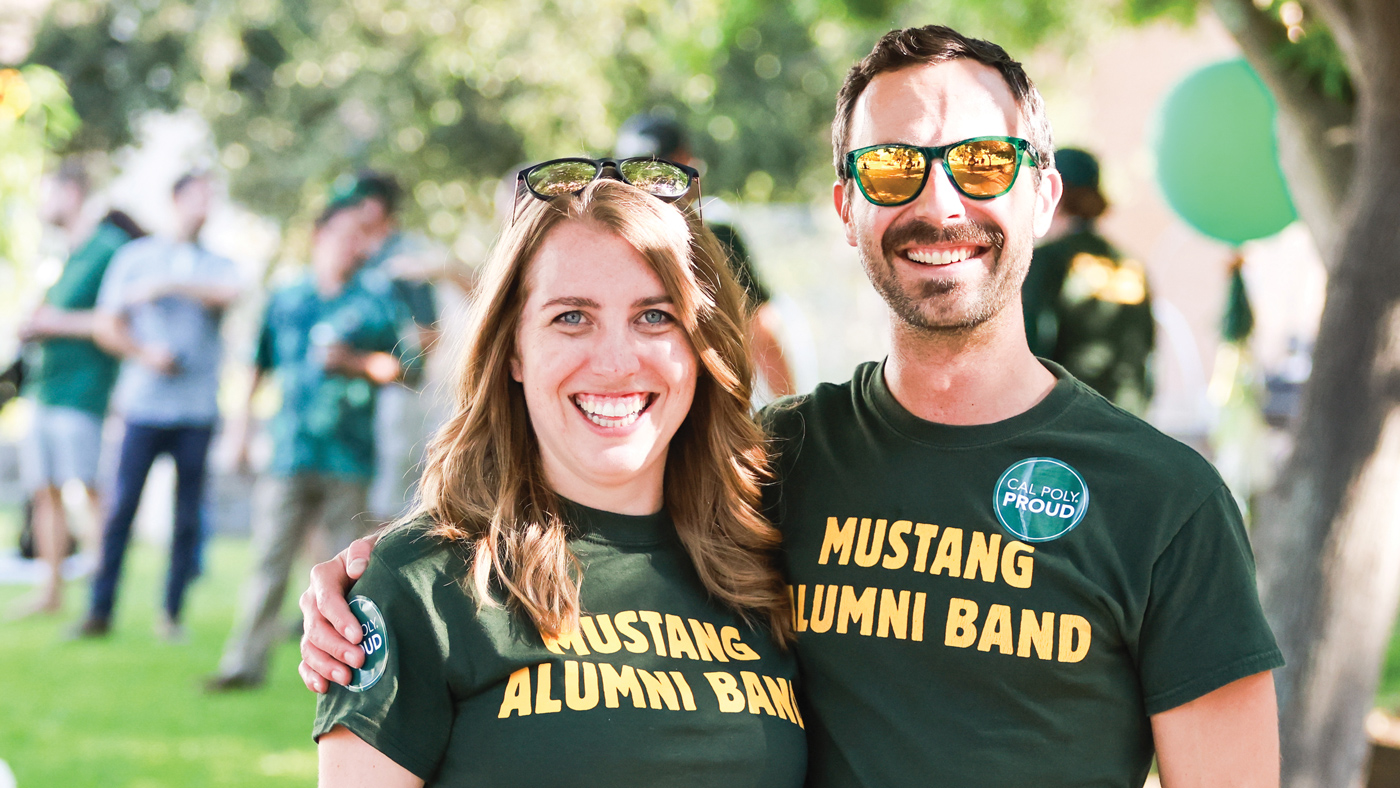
1047	197
841	199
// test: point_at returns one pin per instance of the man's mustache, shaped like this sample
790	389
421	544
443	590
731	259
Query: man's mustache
917	232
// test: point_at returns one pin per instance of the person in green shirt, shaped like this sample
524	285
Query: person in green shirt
998	577
331	339
68	376
1087	306
586	593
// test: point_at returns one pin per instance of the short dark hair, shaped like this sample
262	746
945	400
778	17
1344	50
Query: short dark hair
650	135
380	186
931	45
73	171
187	179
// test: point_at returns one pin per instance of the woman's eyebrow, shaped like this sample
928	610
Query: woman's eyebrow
653	301
572	301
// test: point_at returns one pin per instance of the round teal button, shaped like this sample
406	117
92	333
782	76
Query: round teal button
374	642
1040	498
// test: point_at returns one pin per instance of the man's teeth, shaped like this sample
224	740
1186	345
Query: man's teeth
942	256
612	411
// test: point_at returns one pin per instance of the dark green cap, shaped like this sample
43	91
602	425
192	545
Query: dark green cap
1077	168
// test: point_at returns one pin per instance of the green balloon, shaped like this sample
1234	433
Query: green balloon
1217	155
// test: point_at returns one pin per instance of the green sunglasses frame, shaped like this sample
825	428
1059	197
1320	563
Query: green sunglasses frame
1024	150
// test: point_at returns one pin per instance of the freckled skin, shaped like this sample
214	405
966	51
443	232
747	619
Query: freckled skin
597	321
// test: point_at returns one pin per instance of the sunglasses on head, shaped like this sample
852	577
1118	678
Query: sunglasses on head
665	180
980	168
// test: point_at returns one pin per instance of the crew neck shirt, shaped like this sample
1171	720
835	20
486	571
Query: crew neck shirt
1003	604
660	686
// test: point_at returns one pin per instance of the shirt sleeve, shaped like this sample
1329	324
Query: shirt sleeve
265	351
1203	626
112	295
407	714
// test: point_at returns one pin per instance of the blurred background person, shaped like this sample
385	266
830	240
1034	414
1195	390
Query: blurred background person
331	339
664	138
159	309
408	263
69	377
1087	307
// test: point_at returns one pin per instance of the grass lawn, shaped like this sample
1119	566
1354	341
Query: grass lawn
129	711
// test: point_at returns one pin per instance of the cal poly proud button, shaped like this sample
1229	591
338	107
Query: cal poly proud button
374	642
1040	498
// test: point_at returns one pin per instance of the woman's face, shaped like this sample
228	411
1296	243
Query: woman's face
607	370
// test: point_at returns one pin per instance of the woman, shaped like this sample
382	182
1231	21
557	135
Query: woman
586	594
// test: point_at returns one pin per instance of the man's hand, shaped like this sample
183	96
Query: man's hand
158	359
380	368
330	631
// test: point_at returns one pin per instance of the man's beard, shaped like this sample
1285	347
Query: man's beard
1008	268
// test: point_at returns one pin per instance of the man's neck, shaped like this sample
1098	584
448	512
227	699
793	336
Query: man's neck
984	375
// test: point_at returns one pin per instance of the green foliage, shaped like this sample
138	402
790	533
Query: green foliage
117	62
449	94
36	117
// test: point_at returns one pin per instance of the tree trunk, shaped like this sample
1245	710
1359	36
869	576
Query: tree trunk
1328	535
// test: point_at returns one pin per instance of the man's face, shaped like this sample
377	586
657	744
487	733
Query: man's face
945	262
374	213
192	204
337	245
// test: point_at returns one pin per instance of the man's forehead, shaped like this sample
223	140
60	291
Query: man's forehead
934	105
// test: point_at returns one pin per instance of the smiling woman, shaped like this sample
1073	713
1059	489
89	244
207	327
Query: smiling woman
600	460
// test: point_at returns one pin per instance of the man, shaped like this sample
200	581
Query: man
71	378
331	340
405	261
160	308
1088	308
998	578
664	138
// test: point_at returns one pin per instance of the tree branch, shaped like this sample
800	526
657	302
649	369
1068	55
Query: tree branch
1315	145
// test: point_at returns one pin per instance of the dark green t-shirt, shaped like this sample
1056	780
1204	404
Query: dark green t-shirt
660	687
1089	308
1006	604
73	372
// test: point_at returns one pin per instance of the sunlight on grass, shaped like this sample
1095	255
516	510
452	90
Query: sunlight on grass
129	711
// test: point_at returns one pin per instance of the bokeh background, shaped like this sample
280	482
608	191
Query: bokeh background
279	100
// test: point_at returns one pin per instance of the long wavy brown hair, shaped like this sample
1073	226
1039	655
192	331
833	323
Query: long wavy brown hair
483	485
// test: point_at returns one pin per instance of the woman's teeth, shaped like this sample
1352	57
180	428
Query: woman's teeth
612	411
941	256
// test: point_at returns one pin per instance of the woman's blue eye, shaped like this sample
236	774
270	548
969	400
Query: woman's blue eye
655	317
571	318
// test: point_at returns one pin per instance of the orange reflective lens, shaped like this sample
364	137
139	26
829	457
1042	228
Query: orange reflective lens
984	168
980	168
891	174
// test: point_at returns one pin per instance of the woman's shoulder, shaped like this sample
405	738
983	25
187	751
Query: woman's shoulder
416	549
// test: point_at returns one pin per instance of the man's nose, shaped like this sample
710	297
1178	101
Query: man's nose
940	199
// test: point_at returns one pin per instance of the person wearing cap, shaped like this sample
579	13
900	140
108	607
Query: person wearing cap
332	341
408	262
664	138
1087	306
